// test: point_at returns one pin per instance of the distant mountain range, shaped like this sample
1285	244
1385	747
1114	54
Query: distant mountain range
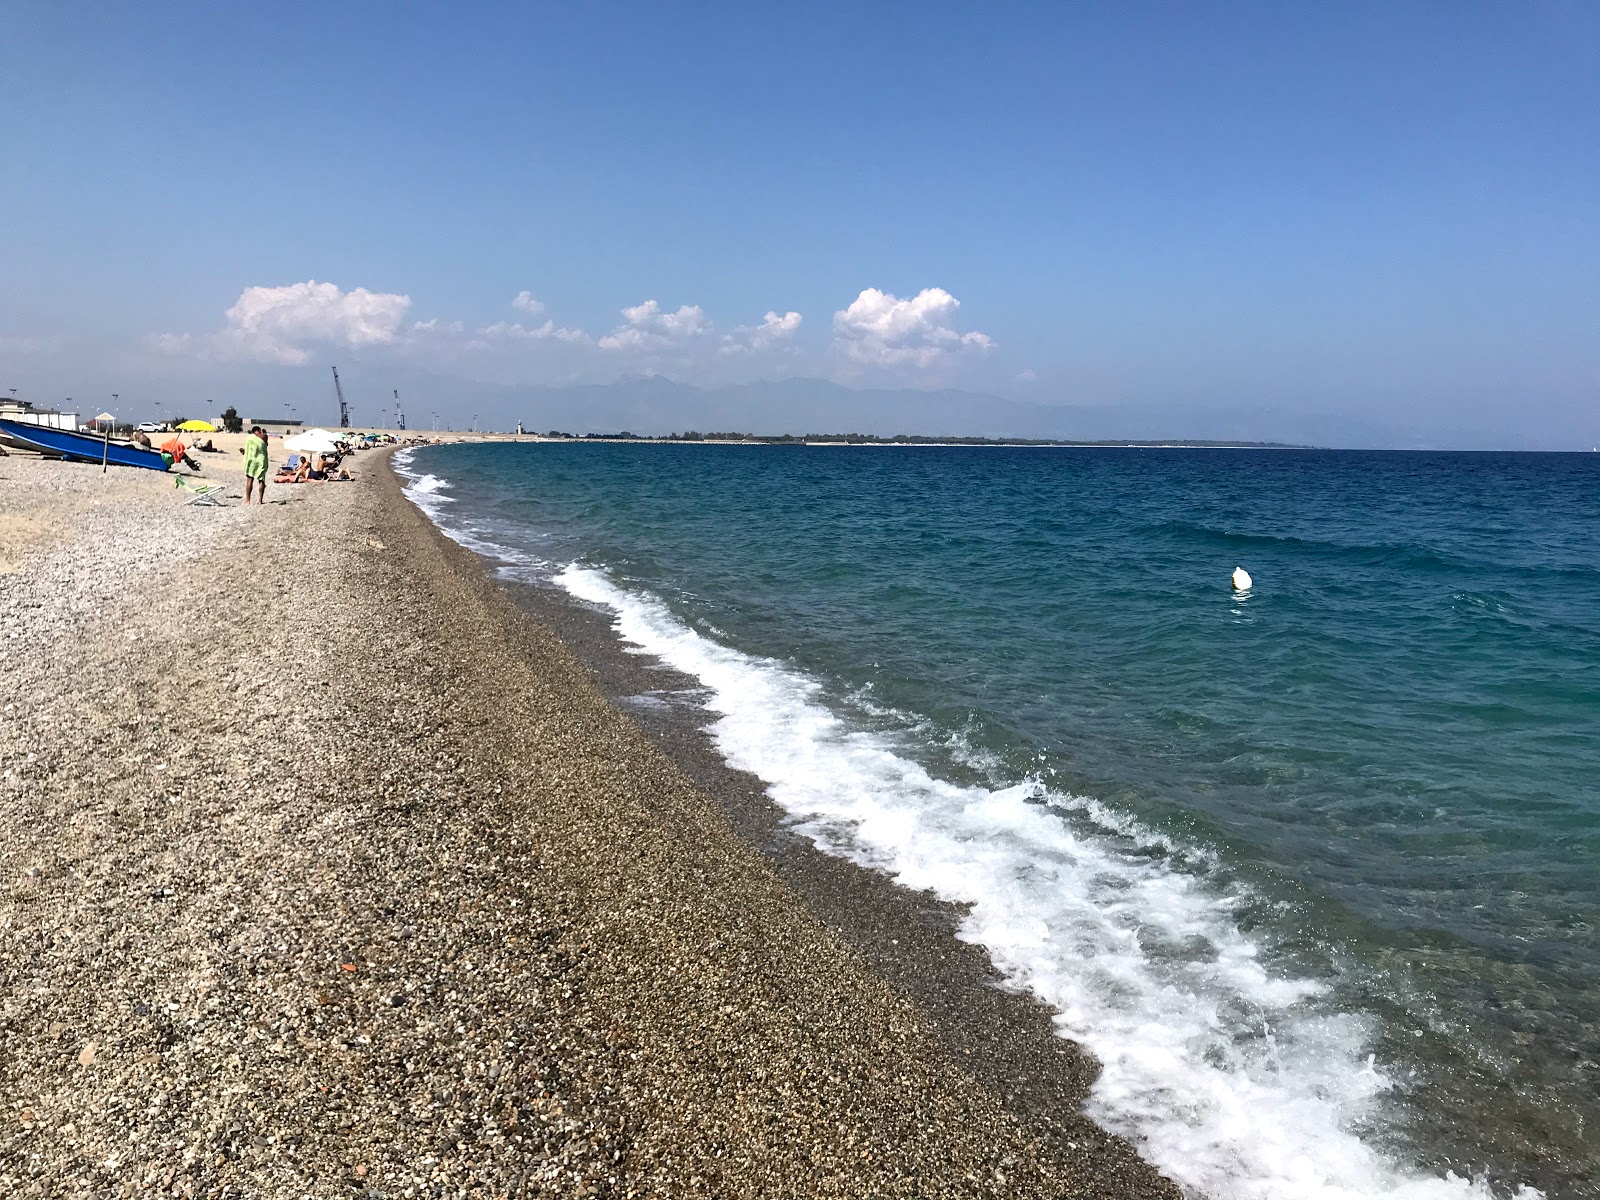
656	405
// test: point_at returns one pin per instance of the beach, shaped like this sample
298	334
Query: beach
333	870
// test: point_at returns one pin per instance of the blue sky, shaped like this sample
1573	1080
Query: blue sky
1365	210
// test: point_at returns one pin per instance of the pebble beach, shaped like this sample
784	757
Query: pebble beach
331	871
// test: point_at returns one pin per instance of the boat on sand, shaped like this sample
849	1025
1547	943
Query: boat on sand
63	443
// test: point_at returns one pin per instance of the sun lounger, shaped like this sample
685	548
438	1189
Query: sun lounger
200	493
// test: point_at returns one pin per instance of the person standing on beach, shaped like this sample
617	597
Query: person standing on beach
255	464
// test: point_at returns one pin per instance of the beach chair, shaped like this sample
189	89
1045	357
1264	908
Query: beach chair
200	493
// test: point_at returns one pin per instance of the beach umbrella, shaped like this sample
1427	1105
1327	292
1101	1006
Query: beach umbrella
198	427
312	441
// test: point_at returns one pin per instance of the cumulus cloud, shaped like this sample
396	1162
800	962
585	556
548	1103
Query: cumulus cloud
282	324
515	331
880	329
646	327
275	324
774	330
1027	375
434	327
524	301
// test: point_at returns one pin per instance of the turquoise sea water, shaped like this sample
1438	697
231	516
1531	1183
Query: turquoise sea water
1312	868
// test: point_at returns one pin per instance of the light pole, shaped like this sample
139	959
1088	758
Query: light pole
114	413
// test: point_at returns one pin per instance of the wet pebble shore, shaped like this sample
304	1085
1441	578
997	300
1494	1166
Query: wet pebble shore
363	889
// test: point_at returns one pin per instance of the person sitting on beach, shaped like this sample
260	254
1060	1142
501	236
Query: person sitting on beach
177	452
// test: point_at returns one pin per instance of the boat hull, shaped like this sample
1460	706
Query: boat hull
66	444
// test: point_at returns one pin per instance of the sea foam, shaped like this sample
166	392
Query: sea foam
1234	1079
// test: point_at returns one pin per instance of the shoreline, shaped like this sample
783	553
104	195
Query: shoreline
339	875
1005	1038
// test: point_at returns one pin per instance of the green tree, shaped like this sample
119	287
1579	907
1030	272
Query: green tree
232	421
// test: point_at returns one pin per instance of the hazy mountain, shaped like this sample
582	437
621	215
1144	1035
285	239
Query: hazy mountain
657	405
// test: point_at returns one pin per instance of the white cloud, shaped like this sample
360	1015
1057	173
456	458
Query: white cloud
524	301
276	323
646	327
281	324
1027	375
880	329
774	330
515	331
434	327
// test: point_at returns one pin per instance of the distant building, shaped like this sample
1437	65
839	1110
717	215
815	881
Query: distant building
23	410
275	425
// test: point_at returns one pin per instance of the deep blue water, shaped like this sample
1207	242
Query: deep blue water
1351	816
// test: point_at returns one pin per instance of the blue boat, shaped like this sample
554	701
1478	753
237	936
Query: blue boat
63	443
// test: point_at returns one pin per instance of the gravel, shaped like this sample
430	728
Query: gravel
328	872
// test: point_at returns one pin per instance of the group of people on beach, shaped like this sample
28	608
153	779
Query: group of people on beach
301	468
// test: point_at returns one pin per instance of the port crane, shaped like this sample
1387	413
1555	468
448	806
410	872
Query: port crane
344	409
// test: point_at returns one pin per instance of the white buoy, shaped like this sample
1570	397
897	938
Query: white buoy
1241	580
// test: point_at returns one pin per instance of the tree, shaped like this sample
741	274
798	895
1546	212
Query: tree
232	421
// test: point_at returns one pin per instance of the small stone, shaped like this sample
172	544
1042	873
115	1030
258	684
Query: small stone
86	1055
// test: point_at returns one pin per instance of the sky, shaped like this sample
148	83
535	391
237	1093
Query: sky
1385	211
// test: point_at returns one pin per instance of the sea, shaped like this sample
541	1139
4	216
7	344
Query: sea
1313	868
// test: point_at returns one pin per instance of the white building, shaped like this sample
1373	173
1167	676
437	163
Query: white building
24	411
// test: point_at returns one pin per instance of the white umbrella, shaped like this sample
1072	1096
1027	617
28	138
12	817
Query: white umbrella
312	441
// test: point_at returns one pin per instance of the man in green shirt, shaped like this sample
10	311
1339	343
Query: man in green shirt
255	464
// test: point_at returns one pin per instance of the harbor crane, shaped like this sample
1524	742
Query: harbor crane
344	409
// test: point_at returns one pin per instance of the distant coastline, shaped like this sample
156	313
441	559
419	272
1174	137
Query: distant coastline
909	439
